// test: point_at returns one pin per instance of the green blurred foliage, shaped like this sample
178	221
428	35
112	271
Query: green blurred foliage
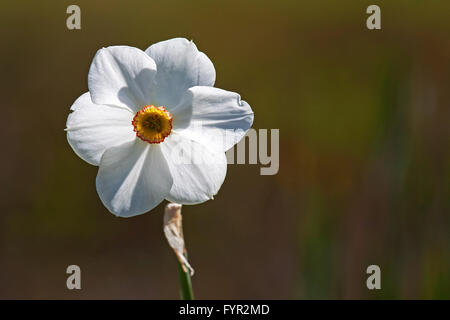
364	140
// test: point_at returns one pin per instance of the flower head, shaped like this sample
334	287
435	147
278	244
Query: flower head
155	125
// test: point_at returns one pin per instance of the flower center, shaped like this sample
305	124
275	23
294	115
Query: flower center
152	124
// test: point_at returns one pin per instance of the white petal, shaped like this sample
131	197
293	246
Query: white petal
93	128
206	71
121	76
133	178
180	66
212	116
197	171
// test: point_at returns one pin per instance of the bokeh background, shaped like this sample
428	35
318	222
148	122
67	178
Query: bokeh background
364	178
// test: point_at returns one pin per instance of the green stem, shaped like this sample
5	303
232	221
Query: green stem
185	284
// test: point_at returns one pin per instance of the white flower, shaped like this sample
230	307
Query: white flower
143	113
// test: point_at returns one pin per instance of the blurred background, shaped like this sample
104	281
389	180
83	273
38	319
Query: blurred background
364	172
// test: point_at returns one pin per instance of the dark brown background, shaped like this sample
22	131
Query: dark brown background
364	165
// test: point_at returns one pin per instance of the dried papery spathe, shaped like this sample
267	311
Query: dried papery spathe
173	230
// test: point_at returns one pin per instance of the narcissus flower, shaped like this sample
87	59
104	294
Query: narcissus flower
155	125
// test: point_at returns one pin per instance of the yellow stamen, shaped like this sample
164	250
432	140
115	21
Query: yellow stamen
152	124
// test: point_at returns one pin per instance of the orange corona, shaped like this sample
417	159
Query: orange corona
152	124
